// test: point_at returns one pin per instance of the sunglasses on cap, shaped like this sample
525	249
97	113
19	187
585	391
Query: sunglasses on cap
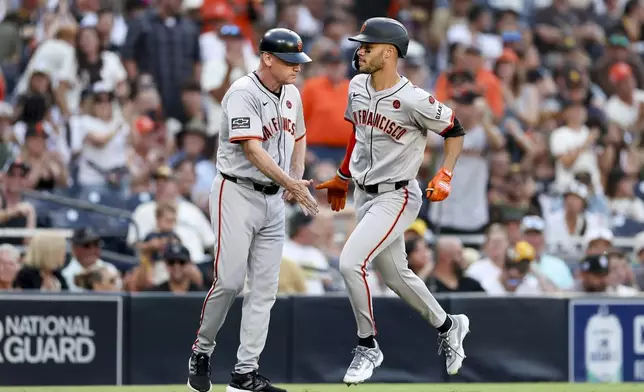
230	31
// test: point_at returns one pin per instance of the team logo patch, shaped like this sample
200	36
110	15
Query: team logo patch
240	123
288	104
432	100
396	104
364	26
299	45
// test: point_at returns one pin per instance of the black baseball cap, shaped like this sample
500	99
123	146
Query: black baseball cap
176	251
297	221
595	264
85	235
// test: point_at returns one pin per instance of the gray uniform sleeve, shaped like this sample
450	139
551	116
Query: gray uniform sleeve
348	113
244	115
300	126
431	114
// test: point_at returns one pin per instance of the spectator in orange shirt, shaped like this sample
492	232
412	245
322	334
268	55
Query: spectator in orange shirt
487	83
324	99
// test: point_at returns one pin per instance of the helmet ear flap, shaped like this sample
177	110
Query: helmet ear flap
354	61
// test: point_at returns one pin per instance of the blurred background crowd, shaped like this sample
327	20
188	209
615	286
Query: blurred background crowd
110	117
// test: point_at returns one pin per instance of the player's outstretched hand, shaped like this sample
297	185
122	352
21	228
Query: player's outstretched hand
298	190
336	192
440	186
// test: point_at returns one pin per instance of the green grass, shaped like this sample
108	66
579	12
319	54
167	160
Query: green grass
369	387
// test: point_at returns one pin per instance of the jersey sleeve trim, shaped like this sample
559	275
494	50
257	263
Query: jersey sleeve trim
300	138
450	126
244	138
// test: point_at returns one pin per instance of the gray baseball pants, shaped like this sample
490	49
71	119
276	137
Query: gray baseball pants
250	229
379	238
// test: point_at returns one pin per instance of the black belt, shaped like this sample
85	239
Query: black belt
376	187
265	189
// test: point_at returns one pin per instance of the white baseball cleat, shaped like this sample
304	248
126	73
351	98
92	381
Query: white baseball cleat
451	343
365	360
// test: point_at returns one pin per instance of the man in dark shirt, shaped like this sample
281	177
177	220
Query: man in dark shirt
164	44
177	259
447	276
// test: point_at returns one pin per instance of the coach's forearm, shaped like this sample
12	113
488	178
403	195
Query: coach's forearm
453	147
264	163
298	159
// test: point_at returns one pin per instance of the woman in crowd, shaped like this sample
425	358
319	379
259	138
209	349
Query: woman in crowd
43	262
48	168
103	164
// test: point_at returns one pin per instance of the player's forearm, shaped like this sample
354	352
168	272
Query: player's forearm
453	147
298	159
344	171
265	164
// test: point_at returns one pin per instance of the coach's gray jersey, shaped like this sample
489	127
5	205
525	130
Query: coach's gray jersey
391	129
251	111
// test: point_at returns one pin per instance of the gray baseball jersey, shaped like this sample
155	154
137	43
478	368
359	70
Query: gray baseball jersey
391	129
252	111
249	223
391	135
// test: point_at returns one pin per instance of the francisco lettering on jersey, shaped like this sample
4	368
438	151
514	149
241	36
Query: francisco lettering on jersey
273	128
390	127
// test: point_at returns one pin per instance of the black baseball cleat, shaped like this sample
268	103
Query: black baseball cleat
251	382
199	373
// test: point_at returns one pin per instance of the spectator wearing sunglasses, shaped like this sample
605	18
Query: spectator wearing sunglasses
86	251
177	259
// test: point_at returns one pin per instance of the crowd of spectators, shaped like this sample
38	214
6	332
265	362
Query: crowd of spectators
117	104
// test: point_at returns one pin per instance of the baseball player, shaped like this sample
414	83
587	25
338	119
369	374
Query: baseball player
261	162
391	118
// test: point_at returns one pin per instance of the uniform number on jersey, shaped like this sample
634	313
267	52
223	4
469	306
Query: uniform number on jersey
240	123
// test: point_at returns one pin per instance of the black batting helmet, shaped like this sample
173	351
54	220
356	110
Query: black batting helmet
384	31
285	45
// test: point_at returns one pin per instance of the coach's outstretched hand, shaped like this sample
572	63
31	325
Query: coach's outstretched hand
440	186
298	190
336	192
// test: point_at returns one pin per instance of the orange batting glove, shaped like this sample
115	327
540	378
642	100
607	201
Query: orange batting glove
336	192
440	186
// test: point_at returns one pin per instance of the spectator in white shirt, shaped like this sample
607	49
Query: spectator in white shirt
572	145
86	249
495	249
103	161
300	249
58	56
474	33
624	108
567	225
97	65
220	72
514	277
